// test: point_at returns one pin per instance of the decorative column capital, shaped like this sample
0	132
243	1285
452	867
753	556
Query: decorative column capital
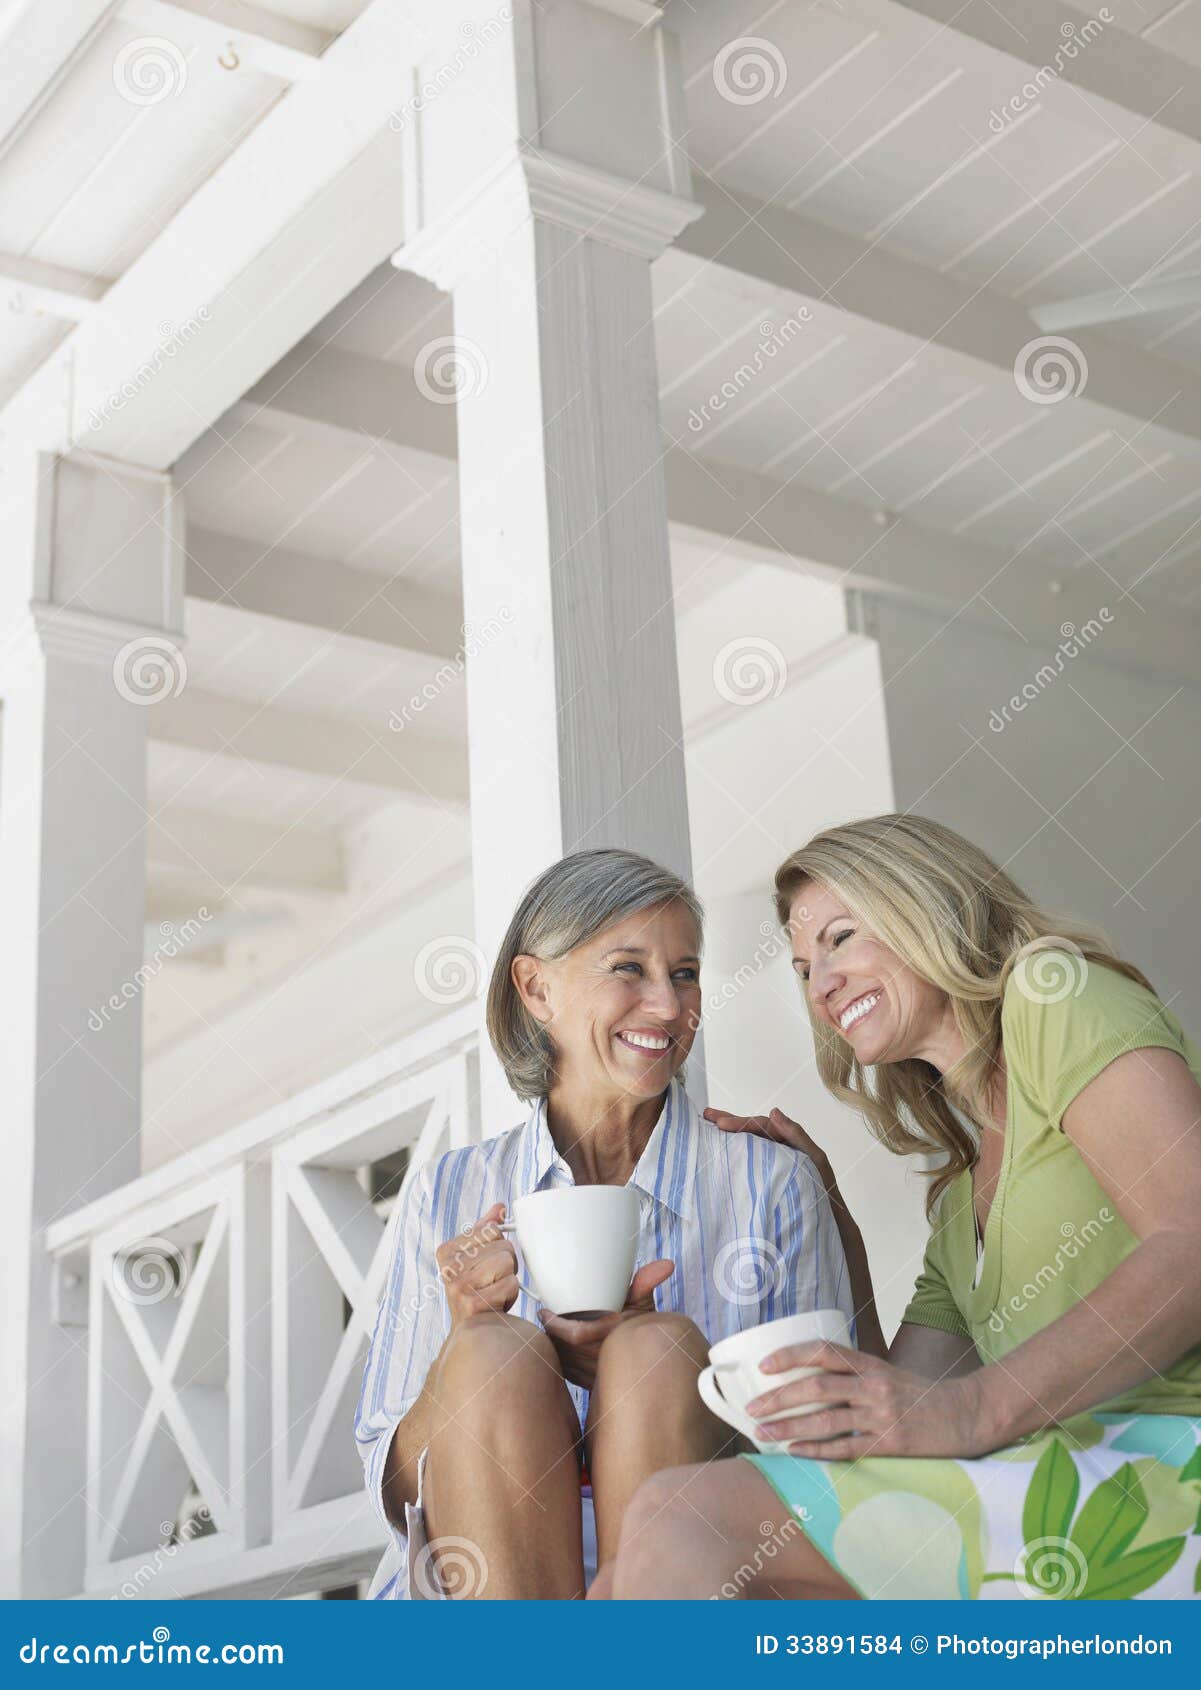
104	562
628	215
569	112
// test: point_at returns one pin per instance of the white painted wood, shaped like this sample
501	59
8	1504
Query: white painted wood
241	34
321	592
79	538
803	529
370	1081
862	277
1109	64
421	768
307	205
47	289
542	216
213	852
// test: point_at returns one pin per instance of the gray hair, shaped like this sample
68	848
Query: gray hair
569	903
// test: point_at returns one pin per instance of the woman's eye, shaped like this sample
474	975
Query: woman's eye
687	974
636	966
839	937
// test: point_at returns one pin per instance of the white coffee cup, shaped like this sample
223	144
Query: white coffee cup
579	1244
734	1376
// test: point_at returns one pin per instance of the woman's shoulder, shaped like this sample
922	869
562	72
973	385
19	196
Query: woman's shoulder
1059	994
749	1157
479	1157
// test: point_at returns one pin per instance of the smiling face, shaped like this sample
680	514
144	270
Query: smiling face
861	989
621	1009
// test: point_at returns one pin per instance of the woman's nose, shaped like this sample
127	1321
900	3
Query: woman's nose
659	997
824	981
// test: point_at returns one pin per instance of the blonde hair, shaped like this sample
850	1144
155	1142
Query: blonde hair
958	921
569	903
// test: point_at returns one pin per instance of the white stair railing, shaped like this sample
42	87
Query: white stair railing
230	1297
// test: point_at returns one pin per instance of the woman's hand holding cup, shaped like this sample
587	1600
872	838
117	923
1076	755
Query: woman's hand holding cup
578	1342
479	1269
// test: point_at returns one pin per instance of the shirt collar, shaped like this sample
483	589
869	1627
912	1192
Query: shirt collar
666	1170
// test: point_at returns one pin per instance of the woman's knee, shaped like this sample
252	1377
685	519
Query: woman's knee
642	1348
500	1357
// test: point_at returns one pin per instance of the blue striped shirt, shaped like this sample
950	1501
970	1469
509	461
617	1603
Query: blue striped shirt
745	1220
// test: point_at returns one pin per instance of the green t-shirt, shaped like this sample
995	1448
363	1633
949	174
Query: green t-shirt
1053	1232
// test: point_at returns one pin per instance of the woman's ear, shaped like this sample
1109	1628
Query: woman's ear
529	977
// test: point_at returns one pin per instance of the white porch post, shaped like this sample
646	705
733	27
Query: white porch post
543	181
92	591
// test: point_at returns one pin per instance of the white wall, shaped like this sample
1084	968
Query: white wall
759	785
1090	791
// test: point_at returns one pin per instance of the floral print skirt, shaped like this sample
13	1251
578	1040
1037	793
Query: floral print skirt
1101	1506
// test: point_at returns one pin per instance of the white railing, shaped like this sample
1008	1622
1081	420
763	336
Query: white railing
228	1299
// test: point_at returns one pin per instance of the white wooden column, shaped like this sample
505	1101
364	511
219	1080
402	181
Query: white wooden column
542	183
88	638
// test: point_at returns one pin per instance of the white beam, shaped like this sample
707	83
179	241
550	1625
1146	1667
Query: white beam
800	528
227	569
711	502
336	750
241	34
776	248
1131	74
320	387
205	854
26	284
47	42
308	204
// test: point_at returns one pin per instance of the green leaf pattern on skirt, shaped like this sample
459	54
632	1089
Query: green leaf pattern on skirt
1101	1507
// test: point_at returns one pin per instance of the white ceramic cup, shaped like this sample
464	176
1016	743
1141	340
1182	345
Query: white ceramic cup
579	1244
733	1376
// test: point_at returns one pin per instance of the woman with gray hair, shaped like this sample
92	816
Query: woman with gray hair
502	1443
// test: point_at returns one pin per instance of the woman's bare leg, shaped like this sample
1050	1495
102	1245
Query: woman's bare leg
718	1531
645	1414
502	1482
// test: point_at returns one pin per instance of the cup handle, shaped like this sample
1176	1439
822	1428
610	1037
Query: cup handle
706	1384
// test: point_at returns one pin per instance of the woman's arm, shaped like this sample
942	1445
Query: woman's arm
779	1127
933	1354
1138	1126
477	1271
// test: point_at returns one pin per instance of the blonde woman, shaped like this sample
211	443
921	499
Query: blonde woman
1033	1428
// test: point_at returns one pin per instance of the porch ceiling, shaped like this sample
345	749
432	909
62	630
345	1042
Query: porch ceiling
839	335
